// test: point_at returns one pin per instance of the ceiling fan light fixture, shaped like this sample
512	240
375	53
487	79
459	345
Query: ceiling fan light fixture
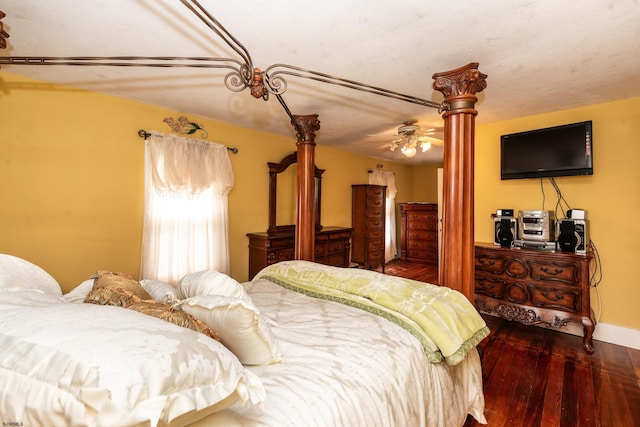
410	139
409	150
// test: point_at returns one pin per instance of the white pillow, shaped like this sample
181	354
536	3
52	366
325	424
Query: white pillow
19	273
87	364
160	291
80	292
210	282
239	325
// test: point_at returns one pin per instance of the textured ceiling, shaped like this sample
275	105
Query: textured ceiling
539	56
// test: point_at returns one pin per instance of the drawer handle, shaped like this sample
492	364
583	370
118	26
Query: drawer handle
555	297
486	263
550	272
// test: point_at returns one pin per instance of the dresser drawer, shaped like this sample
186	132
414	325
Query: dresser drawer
375	244
422	235
568	273
422	244
424	254
423	216
279	243
375	213
375	203
490	287
375	257
285	255
375	234
421	225
376	192
375	223
555	298
333	247
491	263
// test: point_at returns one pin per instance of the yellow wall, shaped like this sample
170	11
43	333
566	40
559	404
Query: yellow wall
425	183
611	196
72	183
71	198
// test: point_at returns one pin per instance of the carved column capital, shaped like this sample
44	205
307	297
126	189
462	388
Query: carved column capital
306	127
459	86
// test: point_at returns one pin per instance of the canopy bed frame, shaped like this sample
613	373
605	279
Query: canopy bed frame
459	87
301	343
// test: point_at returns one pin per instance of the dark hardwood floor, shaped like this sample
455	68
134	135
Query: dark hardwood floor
540	377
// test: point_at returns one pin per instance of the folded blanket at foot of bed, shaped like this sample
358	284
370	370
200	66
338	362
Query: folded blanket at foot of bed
445	322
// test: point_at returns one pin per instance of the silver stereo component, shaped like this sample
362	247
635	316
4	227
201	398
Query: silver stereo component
532	244
536	225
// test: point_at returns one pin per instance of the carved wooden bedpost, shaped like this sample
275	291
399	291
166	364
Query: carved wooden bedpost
306	127
459	87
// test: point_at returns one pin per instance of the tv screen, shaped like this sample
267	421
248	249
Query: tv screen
565	150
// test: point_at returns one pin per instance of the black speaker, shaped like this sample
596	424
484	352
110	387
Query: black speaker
572	235
505	231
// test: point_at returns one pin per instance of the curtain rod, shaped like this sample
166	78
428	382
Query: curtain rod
144	135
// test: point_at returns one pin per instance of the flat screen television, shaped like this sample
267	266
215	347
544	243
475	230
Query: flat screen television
565	150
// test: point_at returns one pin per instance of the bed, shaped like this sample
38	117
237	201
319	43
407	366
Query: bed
295	346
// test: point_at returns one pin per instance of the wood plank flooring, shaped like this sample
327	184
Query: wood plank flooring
537	377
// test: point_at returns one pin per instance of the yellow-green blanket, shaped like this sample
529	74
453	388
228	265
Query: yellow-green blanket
445	322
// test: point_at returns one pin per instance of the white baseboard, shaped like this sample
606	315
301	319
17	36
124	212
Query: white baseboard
617	335
607	332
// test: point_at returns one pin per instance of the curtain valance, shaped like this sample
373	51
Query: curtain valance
180	164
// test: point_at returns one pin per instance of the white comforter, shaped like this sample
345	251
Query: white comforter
346	367
74	364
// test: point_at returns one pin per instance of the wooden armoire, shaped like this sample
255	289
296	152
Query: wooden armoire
367	221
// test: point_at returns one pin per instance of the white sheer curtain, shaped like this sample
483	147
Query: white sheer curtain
379	177
186	224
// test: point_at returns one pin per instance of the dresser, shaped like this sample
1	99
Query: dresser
332	246
534	287
367	219
419	232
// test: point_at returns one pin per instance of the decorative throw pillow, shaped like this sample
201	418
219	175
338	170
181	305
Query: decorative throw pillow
239	324
116	289
167	313
160	291
210	282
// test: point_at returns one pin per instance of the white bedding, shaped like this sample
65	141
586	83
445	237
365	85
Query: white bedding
67	363
346	367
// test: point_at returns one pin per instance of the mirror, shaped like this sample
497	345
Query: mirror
288	195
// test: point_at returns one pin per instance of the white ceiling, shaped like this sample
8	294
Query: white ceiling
539	55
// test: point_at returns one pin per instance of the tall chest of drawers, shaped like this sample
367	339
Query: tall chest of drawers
534	287
367	220
419	232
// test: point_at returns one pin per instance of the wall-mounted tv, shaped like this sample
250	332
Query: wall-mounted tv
565	150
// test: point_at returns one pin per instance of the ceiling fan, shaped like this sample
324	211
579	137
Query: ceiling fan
413	138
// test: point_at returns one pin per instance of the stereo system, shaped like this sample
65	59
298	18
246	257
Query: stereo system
538	229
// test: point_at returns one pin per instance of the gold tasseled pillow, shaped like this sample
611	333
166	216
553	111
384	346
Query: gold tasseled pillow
166	312
116	289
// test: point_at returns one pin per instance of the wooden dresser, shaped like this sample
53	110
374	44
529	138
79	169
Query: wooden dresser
332	247
419	232
367	220
534	287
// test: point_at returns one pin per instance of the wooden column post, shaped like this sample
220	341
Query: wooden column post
306	127
459	87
